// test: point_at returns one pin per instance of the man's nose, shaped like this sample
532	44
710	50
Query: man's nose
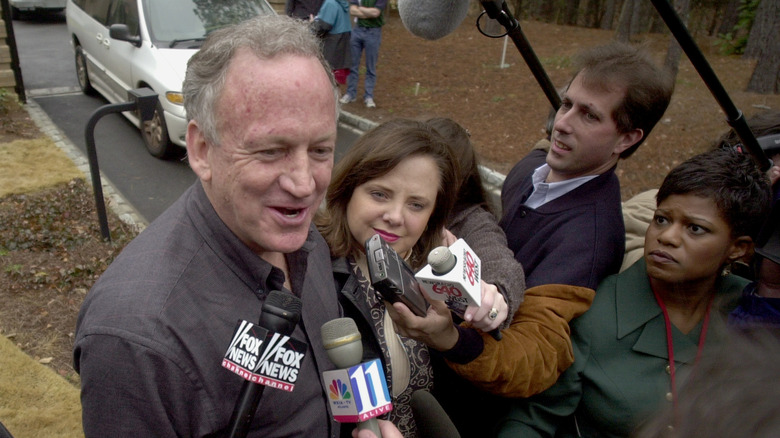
562	121
298	180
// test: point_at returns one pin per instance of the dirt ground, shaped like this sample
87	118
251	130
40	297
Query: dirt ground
51	253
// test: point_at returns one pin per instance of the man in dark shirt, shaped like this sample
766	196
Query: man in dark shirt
151	334
561	209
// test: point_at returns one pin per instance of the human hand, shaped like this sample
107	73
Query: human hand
386	428
774	173
447	238
479	316
435	330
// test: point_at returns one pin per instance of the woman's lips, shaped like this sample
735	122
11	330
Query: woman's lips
661	257
389	237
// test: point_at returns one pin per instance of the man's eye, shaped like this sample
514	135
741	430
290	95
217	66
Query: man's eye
322	152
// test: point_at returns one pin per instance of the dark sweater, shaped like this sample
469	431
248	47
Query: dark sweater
577	239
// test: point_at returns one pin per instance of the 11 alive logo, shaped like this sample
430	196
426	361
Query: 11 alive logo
264	357
358	393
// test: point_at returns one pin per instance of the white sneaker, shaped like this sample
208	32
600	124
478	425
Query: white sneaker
370	103
346	99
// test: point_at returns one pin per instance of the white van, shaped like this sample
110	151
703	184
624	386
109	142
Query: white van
121	45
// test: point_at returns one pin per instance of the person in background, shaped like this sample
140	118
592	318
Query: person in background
731	394
759	305
366	37
561	209
649	325
153	331
395	181
302	9
332	26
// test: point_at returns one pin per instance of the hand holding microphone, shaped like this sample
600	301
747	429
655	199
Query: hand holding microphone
357	393
453	274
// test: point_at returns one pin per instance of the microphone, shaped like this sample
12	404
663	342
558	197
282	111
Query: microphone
279	315
431	419
432	19
453	278
344	347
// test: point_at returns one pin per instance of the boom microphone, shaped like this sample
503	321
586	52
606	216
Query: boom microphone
344	346
432	19
280	314
431	419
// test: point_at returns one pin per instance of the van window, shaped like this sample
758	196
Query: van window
97	9
195	19
124	12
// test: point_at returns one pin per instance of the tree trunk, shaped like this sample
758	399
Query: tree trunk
609	14
673	53
516	7
764	44
589	13
623	33
730	17
570	12
640	17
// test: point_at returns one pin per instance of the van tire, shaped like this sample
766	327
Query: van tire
81	72
155	135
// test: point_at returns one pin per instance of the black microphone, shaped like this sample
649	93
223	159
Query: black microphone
432	19
280	314
431	420
344	346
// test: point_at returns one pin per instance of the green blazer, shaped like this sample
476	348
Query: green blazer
620	374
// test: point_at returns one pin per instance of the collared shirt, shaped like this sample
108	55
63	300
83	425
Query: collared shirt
545	192
153	330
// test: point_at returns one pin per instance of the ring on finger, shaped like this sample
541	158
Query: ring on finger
493	313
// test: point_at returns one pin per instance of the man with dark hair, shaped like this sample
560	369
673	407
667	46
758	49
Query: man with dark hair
153	331
561	208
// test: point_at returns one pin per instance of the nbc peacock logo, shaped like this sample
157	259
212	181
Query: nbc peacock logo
339	390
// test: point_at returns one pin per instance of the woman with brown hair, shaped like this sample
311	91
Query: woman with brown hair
395	181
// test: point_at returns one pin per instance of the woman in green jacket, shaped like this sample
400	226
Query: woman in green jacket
649	325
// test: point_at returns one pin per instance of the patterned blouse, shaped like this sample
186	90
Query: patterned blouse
420	370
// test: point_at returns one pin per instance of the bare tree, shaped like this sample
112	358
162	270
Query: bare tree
623	33
730	17
609	14
673	53
764	45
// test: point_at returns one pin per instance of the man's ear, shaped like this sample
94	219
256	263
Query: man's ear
741	247
198	151
628	139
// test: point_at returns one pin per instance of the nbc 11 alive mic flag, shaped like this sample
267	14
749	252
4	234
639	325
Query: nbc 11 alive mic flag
358	393
264	357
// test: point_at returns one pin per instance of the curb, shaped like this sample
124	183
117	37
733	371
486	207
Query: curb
126	212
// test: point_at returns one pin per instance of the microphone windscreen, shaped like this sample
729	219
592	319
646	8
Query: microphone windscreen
432	19
430	417
342	342
442	260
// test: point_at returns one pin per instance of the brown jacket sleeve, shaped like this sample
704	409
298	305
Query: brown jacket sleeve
536	347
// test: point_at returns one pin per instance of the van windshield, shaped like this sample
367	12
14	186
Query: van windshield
185	23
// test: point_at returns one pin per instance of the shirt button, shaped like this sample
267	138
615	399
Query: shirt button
669	396
668	370
522	213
